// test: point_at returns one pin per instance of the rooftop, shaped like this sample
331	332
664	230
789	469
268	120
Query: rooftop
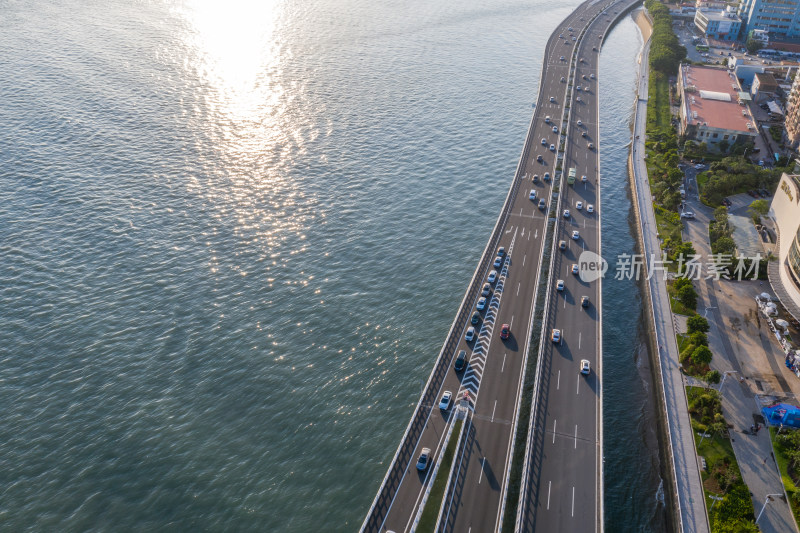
703	89
720	16
766	81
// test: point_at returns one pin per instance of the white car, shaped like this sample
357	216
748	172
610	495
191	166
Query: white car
563	79
424	459
591	75
591	146
544	141
481	305
687	214
575	235
584	178
535	178
560	285
552	99
579	99
498	261
584	76
585	367
562	58
444	403
578	88
492	276
590	208
583	134
575	268
566	213
532	195
580	123
555	336
470	334
699	166
555	129
579	205
546	176
552	147
547	119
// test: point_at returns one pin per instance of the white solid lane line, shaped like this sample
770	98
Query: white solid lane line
554	431
558	380
578	386
525	256
579	338
495	408
504	364
518	284
576	436
512	322
483	463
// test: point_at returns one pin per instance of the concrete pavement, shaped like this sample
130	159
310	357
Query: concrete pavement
690	509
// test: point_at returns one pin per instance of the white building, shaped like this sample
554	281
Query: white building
785	212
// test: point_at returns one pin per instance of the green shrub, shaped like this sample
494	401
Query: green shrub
697	323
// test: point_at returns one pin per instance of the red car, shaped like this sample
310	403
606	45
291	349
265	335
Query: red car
505	331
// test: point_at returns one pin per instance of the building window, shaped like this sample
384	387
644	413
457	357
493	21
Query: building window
725	138
715	135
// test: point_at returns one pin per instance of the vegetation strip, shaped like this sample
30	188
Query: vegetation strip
427	521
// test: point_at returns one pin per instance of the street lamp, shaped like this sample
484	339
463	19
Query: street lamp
768	499
725	375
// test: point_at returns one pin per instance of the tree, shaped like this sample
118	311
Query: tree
697	323
758	209
724	245
713	377
753	45
698	338
687	296
723	146
680	283
702	356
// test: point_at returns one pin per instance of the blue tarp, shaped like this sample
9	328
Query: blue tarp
782	413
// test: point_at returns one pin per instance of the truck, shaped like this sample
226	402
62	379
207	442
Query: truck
571	176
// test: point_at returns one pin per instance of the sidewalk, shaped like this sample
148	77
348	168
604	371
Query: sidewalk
742	351
690	496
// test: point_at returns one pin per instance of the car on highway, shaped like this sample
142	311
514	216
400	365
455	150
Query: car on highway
505	331
582	60
575	235
584	178
486	290
575	268
594	49
501	251
579	205
584	76
569	29
585	367
535	178
584	301
461	360
555	336
555	129
578	88
562	245
552	147
552	99
492	276
687	214
560	285
539	158
591	146
566	213
470	334
476	317
561	36
546	176
583	134
544	141
498	261
532	195
424	459
579	123
542	203
563	79
591	75
547	119
578	99
562	58
573	37
444	403
590	208
481	305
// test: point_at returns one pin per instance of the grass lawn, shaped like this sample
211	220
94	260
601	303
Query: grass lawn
658	112
783	466
427	521
669	226
675	304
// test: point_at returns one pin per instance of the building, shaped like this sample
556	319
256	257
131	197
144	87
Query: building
792	123
785	212
711	111
710	4
723	25
781	18
761	36
764	87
